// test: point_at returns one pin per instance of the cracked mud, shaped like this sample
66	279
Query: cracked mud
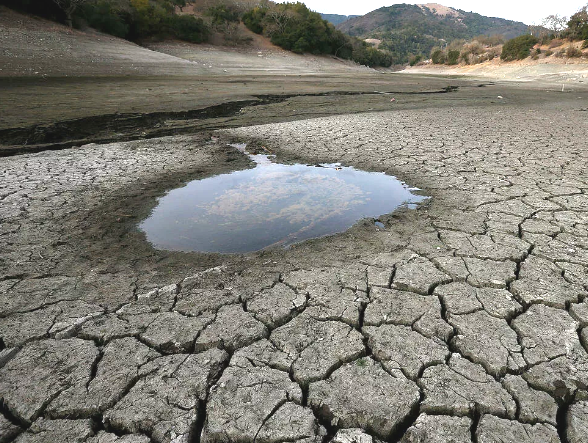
464	320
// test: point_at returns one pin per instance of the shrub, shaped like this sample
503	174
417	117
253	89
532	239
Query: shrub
494	52
490	40
438	57
578	25
452	57
188	27
370	56
548	53
294	27
470	52
518	48
221	14
414	59
253	19
573	52
555	43
104	17
585	44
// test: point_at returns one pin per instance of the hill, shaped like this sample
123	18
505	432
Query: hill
407	30
337	19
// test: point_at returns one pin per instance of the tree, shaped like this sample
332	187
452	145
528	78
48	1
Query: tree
69	7
578	24
518	48
555	23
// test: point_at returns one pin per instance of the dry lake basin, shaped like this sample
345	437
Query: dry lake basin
458	318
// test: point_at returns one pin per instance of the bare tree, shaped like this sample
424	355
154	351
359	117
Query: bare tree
280	17
69	7
555	23
538	31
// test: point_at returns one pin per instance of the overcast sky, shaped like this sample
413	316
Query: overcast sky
526	11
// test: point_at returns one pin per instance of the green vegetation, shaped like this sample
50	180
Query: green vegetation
291	26
106	18
222	14
578	25
478	50
409	30
130	19
438	57
453	57
408	33
414	59
518	48
361	362
294	27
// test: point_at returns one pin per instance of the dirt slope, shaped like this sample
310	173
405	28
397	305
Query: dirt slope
34	47
549	69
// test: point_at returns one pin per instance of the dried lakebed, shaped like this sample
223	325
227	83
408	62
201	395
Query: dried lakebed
463	320
270	205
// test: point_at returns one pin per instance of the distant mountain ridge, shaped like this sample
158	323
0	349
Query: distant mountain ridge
337	19
408	30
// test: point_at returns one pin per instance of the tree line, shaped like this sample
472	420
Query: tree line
294	27
553	32
291	26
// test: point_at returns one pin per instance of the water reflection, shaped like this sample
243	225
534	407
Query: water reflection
271	204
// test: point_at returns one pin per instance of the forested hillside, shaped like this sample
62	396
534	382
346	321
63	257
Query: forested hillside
407	30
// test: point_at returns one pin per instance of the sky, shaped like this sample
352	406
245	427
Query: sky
526	11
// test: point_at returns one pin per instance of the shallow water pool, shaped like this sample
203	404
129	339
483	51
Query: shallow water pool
272	204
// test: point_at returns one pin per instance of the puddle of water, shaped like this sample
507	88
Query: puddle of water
269	205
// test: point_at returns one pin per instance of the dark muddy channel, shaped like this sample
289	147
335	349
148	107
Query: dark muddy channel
269	205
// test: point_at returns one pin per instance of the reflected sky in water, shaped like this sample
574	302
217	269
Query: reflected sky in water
270	205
